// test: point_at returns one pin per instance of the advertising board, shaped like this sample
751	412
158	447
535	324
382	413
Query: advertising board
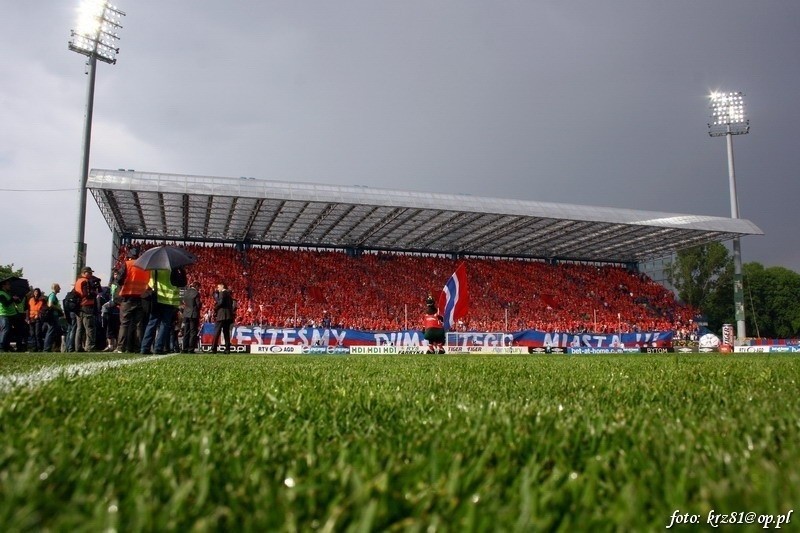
752	349
276	348
373	350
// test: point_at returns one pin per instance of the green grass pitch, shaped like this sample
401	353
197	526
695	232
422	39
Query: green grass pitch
398	443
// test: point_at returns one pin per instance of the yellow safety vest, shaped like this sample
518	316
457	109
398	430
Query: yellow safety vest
8	309
166	292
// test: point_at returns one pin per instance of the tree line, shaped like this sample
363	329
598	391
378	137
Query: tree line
703	278
7	271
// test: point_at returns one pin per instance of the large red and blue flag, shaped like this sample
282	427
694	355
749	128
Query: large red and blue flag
454	299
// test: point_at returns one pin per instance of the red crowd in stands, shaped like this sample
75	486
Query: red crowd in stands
385	292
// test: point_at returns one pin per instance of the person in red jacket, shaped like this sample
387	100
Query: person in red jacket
87	286
36	319
433	327
132	281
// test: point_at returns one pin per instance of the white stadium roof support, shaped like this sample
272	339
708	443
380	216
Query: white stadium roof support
145	205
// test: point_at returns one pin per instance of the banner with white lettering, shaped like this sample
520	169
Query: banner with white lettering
244	335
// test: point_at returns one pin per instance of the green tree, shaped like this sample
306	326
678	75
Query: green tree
703	277
756	300
772	301
8	270
719	308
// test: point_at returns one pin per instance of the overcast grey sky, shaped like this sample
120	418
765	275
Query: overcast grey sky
596	103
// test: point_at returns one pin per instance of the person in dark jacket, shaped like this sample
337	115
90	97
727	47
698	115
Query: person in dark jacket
191	317
223	313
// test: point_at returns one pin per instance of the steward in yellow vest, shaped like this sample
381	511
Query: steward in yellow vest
166	286
8	310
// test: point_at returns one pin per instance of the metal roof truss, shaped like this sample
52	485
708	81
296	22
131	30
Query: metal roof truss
192	208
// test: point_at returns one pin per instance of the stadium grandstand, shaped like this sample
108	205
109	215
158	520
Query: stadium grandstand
301	255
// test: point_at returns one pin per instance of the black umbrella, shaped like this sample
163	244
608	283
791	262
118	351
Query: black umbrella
165	258
19	286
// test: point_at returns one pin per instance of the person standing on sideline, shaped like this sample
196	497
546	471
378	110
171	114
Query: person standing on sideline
54	313
87	287
7	310
109	315
223	312
72	308
191	317
166	286
132	282
19	324
36	315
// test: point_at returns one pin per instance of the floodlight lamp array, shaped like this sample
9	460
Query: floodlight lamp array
96	34
727	114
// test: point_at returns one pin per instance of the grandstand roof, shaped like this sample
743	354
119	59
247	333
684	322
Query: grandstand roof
152	206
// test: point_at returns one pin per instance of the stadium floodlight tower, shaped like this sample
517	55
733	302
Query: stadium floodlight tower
95	37
728	118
